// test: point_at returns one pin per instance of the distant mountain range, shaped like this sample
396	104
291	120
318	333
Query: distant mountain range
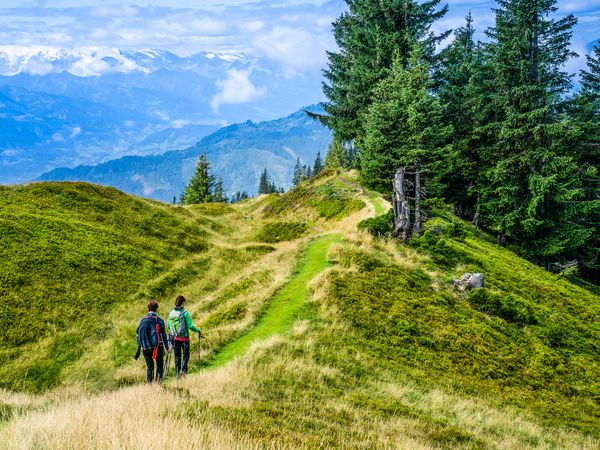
238	154
64	108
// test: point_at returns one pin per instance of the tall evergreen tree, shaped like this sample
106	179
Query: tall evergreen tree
533	189
219	193
404	126
200	187
318	165
308	171
585	110
459	89
337	156
367	36
297	178
264	185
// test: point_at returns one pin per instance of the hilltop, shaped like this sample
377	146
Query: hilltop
319	334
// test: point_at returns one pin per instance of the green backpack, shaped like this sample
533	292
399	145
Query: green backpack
176	323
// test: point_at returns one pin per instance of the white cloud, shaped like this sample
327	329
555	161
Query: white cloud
235	89
76	131
179	123
296	49
34	67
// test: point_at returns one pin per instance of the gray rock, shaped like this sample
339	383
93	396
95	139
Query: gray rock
469	281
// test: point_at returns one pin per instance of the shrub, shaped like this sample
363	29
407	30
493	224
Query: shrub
233	313
381	226
281	231
511	308
213	209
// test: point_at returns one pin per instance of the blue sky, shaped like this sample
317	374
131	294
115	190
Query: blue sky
292	33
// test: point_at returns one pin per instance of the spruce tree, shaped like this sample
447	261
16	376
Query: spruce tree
264	186
200	187
585	110
337	156
219	194
367	36
460	87
532	190
404	126
318	165
297	178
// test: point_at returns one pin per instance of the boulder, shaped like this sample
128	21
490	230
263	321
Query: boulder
469	281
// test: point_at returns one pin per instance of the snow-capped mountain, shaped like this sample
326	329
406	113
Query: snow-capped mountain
94	61
67	107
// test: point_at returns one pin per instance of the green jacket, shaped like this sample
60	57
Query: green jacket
188	320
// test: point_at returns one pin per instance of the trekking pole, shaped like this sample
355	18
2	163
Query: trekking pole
169	357
199	339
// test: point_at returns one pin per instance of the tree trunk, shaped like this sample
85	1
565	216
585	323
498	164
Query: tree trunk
401	208
417	226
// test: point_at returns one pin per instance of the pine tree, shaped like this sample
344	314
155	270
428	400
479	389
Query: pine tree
532	190
404	126
219	194
585	110
318	165
174	200
200	187
309	172
367	36
459	88
297	173
337	156
264	186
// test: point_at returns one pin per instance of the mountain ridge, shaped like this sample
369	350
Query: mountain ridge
238	153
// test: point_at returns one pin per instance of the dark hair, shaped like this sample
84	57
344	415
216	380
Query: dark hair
180	300
152	306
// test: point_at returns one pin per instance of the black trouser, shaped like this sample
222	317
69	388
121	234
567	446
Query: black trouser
150	364
181	366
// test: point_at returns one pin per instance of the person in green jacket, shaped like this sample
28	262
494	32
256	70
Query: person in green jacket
179	325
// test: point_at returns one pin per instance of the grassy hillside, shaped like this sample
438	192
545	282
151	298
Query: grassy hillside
331	338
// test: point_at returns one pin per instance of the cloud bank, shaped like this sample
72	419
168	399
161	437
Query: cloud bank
294	34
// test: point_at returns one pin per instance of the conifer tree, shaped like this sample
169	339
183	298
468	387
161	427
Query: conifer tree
337	156
459	88
219	194
367	36
532	192
318	165
585	110
404	125
309	172
264	186
200	187
297	178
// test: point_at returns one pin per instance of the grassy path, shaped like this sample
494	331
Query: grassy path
283	308
379	209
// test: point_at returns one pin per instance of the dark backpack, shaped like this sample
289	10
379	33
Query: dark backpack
148	333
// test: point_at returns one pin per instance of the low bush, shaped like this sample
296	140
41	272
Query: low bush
233	313
274	232
511	307
380	226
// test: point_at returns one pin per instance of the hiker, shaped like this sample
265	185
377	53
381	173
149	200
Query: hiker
180	324
152	340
